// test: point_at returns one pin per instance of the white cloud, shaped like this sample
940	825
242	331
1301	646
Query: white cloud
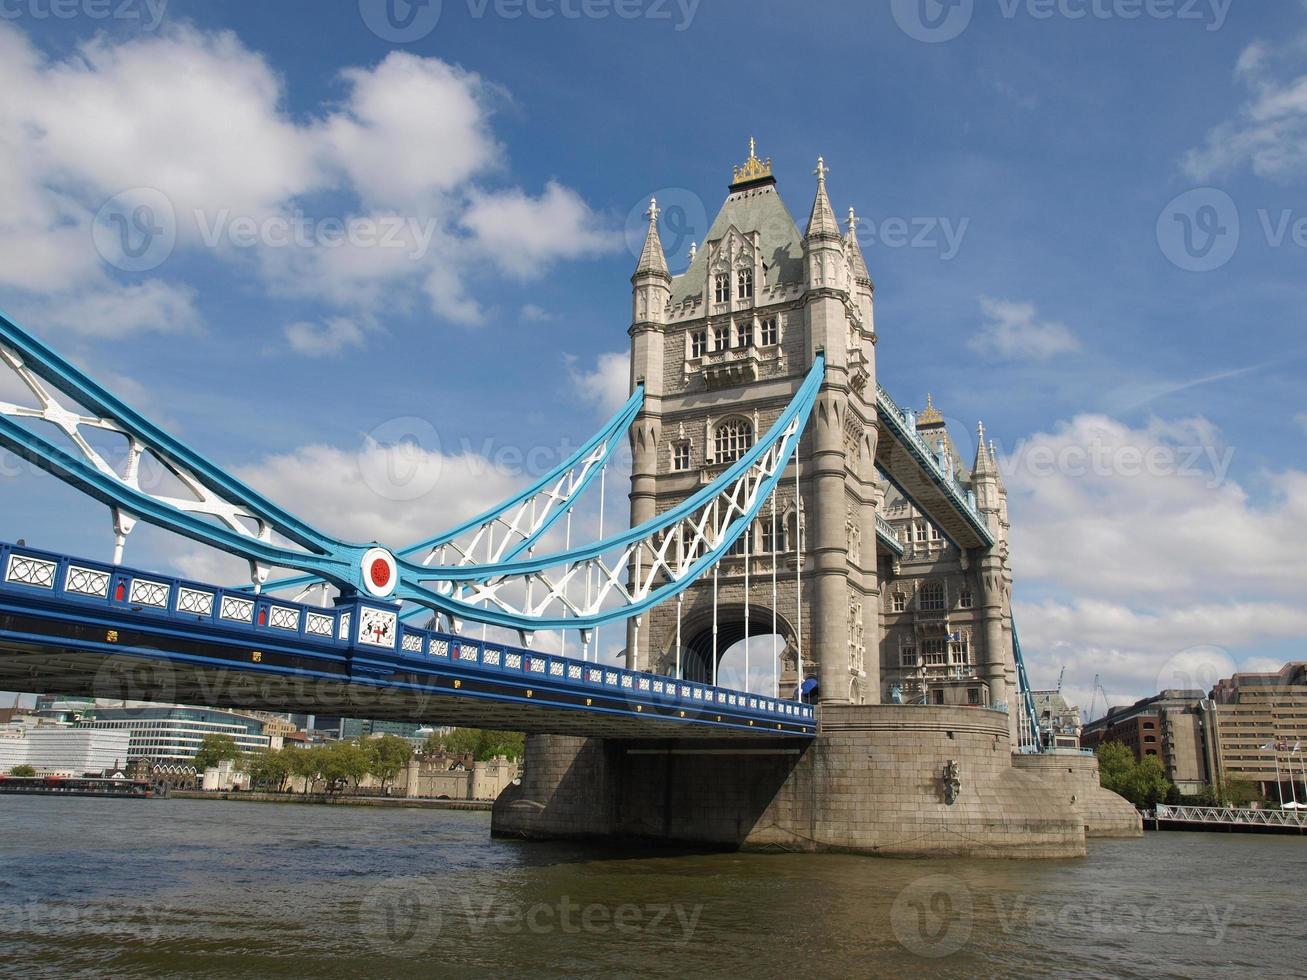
1270	132
535	314
1015	332
106	310
202	119
607	386
412	128
1148	548
524	234
323	340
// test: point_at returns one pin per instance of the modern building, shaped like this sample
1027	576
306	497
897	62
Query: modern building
361	728
1137	726
173	733
58	750
1254	727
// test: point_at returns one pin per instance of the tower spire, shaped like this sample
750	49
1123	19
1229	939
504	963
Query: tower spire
984	465
822	223
652	259
857	264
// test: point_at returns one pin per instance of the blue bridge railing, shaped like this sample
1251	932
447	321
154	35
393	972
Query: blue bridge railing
365	628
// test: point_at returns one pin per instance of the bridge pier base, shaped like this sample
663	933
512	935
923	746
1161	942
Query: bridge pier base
875	781
1075	776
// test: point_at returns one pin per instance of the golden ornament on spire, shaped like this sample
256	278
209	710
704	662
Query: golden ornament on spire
931	415
753	169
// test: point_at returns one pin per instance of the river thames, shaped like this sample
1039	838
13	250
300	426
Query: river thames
170	887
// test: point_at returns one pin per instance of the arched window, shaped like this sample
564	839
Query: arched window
722	287
745	282
732	439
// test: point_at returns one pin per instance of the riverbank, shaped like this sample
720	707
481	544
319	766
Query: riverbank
393	802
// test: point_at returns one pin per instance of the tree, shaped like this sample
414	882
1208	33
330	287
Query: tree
22	771
1116	766
269	768
215	749
344	763
307	764
388	755
1241	792
1142	783
1149	784
492	743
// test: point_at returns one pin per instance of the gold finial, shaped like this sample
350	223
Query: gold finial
931	415
821	171
753	169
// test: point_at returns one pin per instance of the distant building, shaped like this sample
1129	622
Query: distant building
361	728
1254	727
1137	726
173	733
58	750
1059	722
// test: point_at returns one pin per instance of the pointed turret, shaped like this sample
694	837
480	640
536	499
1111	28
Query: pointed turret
822	225
984	465
652	259
857	264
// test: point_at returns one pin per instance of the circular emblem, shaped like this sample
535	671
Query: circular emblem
380	572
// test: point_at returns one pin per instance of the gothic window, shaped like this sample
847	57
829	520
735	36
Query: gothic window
900	602
744	284
921	533
731	440
770	333
965	600
934	652
973	695
931	597
698	343
934	533
737	549
722	289
681	456
907	654
721	338
961	650
744	334
773	536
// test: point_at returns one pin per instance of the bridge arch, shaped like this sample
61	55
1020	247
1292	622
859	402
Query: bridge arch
697	652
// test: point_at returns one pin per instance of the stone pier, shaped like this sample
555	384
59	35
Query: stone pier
875	781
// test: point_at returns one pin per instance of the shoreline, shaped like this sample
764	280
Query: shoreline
323	799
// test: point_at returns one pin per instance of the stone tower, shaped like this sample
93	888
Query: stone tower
721	350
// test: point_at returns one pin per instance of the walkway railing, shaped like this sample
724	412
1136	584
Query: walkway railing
885	532
1231	817
904	426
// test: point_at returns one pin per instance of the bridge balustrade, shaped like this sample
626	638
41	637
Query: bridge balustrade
264	618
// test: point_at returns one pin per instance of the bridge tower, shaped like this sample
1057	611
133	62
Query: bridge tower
721	349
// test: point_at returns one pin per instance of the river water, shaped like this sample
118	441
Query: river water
167	887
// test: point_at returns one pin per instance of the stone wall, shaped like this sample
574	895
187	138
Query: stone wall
1075	776
872	782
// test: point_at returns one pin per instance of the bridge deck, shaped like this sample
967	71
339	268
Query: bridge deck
911	465
76	627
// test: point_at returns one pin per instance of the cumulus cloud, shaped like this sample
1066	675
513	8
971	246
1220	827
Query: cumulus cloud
1015	332
524	234
1269	134
385	195
1144	546
606	385
323	340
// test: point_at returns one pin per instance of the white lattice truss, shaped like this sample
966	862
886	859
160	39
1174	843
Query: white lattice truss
205	502
671	555
1230	816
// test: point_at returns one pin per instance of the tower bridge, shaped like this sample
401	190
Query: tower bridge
782	503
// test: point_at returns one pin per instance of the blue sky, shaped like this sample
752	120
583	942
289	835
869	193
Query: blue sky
1046	167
